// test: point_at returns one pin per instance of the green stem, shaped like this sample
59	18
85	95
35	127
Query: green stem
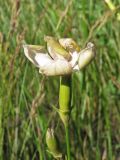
67	142
65	99
65	107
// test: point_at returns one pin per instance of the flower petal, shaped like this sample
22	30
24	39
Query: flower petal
57	67
86	55
56	50
69	44
74	60
36	54
45	63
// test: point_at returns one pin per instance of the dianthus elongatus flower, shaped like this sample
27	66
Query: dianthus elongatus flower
61	57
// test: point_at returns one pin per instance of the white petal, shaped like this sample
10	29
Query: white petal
58	67
65	42
74	60
45	63
36	55
69	44
76	68
86	55
43	59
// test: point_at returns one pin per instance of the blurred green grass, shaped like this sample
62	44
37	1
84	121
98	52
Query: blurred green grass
26	96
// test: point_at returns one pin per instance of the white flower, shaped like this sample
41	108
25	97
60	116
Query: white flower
62	57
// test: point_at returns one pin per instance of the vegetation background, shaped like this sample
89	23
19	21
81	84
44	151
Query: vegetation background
26	96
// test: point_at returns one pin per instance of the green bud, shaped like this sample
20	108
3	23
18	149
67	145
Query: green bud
52	144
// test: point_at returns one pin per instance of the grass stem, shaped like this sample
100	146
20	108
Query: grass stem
67	142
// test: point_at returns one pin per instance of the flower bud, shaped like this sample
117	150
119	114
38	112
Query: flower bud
52	144
86	55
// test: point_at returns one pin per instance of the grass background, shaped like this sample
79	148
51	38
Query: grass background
26	96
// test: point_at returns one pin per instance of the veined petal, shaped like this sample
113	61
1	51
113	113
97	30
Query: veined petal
69	44
57	67
86	55
37	55
45	63
56	50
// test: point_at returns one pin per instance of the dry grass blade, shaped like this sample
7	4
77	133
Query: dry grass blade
63	14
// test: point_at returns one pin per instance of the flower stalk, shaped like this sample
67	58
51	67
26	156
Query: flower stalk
65	99
65	107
